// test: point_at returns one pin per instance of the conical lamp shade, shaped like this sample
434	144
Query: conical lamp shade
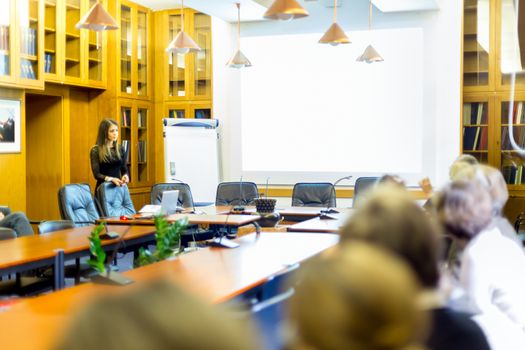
285	10
183	43
370	55
239	61
334	36
97	19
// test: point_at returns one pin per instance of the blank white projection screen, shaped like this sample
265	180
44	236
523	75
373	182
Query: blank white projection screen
309	108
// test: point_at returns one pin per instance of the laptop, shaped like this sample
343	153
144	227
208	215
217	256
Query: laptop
168	204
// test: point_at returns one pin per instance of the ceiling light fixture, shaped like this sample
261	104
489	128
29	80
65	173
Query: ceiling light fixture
182	43
238	60
285	10
370	55
335	35
97	19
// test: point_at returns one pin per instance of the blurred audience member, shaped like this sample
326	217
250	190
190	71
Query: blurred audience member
359	298
392	220
457	165
157	316
492	271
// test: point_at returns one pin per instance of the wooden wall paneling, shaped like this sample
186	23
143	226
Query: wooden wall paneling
13	165
140	197
45	155
82	139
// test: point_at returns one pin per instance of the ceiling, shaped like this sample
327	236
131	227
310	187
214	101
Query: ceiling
253	10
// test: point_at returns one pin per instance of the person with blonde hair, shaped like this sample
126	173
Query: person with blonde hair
156	316
492	271
359	298
391	219
462	161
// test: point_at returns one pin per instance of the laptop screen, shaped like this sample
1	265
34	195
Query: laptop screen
169	202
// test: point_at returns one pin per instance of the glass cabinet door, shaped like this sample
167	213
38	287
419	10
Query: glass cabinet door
509	49
6	49
126	50
202	58
50	37
176	63
142	53
95	52
476	129
28	34
512	117
476	43
142	144
73	45
125	134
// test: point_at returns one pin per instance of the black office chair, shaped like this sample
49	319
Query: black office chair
114	200
313	194
362	184
185	198
76	204
236	193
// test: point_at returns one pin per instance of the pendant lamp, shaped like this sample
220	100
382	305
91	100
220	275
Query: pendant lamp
182	43
97	19
370	55
238	60
335	34
285	10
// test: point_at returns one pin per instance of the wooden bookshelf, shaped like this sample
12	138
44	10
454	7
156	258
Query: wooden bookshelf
21	44
486	129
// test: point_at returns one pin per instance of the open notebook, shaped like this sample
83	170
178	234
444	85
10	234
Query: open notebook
168	204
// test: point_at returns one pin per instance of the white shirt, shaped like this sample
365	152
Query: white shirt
493	276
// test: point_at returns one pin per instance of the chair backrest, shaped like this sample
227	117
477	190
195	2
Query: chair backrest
236	193
362	184
185	198
76	204
313	194
54	225
114	200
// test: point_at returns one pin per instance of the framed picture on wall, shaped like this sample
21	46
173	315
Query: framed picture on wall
9	126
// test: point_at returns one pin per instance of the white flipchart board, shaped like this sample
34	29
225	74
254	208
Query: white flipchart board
191	155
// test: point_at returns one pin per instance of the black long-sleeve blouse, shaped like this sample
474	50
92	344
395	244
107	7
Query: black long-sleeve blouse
115	167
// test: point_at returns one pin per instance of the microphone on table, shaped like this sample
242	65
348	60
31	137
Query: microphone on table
325	213
239	208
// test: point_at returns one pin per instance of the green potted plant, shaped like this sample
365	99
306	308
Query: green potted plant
167	237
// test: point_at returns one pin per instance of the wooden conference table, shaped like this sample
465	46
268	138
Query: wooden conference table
215	274
29	252
319	224
214	218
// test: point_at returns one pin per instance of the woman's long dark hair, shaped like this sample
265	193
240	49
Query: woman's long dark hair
104	152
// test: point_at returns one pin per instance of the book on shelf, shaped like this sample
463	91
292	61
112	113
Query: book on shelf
125	147
126	117
469	137
141	119
4	37
142	151
28	41
48	62
483	143
513	174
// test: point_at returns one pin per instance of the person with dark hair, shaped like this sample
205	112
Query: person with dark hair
391	219
156	316
360	297
16	221
492	272
108	159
